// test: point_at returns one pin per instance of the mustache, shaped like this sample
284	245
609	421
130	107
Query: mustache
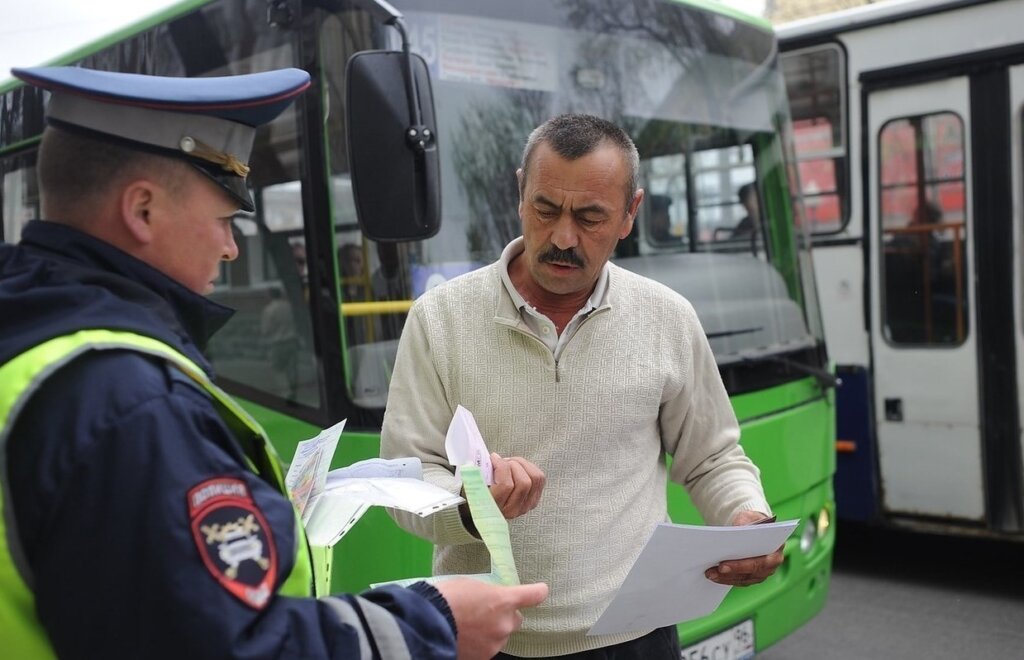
557	255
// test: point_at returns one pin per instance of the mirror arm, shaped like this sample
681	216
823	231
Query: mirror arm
380	10
417	136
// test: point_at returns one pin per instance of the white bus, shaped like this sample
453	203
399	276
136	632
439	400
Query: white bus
907	117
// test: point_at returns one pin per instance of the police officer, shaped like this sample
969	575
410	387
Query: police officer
144	513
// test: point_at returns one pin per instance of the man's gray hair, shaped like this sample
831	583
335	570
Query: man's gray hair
572	136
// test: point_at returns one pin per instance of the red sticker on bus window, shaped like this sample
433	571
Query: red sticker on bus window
234	540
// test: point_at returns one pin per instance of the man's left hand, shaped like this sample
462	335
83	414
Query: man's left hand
517	485
745	572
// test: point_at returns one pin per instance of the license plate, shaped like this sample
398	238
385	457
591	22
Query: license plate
736	643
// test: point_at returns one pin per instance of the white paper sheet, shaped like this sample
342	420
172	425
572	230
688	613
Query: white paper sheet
413	495
407	468
332	517
333	512
666	584
331	502
307	473
465	446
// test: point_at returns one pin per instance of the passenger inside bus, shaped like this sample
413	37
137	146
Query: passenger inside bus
351	264
299	254
277	330
390	282
920	233
749	223
353	277
925	300
659	221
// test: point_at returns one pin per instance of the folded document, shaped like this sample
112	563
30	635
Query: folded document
332	501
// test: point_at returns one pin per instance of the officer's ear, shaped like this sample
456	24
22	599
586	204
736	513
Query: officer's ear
138	202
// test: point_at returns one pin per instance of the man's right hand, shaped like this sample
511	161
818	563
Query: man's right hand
486	614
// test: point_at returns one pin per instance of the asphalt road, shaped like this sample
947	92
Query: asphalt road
900	595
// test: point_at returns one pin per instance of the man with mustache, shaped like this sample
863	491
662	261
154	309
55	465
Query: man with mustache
583	378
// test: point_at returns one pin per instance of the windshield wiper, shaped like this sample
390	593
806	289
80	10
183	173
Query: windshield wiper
730	333
825	378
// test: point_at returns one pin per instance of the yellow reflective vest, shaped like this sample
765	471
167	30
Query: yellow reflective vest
22	633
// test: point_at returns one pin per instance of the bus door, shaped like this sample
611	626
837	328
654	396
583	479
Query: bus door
924	331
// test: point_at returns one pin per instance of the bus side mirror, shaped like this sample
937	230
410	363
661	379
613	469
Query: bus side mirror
392	146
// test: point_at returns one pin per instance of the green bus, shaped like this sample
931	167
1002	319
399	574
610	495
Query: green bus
321	290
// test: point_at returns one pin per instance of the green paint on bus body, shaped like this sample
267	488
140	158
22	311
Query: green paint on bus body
722	9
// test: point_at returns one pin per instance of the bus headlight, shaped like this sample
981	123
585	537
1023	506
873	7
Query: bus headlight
807	536
815	528
824	522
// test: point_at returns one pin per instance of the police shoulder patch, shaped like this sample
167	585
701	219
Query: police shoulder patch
234	540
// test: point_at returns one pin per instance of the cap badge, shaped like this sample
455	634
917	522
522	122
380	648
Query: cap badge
228	162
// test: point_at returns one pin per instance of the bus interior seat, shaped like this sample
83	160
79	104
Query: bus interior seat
371	367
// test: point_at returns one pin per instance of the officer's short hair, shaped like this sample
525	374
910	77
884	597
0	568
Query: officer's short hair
74	168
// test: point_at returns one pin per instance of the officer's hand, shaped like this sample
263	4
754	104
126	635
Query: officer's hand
745	572
486	614
517	485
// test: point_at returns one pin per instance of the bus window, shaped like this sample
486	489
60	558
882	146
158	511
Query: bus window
722	177
665	220
19	195
266	350
923	241
270	343
814	83
377	279
725	200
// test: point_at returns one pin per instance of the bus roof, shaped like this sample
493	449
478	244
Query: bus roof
88	47
718	7
174	9
866	16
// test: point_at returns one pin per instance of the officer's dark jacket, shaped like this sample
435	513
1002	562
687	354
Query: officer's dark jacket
100	461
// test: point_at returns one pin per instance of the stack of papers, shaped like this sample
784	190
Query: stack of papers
332	501
667	585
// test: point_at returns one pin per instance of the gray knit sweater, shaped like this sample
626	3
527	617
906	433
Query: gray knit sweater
637	382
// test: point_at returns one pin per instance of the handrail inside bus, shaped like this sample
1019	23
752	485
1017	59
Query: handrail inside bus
924	230
379	307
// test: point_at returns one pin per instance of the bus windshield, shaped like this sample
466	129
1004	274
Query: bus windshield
702	98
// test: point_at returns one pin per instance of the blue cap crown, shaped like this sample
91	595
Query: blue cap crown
210	122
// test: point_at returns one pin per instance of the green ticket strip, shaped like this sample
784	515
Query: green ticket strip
491	525
493	530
